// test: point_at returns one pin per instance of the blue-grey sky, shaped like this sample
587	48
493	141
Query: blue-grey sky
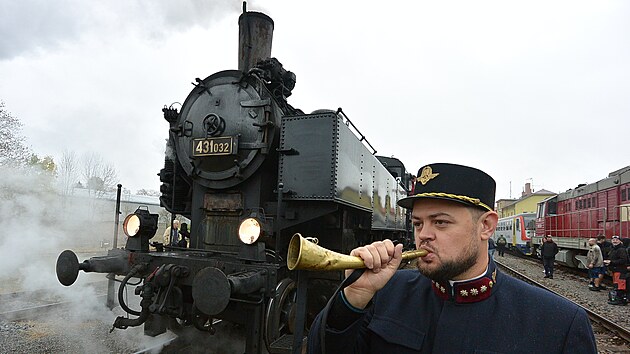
529	91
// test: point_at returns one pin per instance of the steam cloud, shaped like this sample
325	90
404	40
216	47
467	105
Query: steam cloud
39	223
35	25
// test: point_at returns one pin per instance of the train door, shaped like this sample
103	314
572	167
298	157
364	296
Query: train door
513	224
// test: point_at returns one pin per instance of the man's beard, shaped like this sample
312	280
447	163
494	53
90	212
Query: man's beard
452	269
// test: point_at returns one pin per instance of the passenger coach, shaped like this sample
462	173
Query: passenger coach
518	230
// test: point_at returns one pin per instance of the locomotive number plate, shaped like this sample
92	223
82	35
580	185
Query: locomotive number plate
225	145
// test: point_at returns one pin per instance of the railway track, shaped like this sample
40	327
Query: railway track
24	305
607	281
596	318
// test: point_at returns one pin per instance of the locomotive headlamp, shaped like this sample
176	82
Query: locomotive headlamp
249	231
131	225
140	227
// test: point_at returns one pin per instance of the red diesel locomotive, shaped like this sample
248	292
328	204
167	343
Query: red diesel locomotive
588	210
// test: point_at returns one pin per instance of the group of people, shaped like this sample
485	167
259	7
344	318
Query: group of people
613	255
499	246
457	300
176	235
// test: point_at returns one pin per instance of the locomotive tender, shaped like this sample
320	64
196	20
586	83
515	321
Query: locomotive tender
250	171
589	210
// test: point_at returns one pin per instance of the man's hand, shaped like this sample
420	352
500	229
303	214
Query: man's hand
382	260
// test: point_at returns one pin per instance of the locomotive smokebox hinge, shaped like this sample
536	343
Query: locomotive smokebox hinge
266	124
288	152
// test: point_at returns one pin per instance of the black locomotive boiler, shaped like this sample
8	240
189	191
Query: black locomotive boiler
250	171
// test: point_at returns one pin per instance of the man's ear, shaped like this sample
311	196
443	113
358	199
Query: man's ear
487	224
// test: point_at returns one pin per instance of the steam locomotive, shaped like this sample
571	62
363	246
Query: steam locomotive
250	171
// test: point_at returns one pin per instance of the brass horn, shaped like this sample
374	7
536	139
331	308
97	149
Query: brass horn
307	255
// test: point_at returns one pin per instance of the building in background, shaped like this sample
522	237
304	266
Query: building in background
525	204
92	217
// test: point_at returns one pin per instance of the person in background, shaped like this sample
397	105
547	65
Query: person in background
548	250
171	234
617	262
185	235
491	247
595	264
457	300
605	246
501	243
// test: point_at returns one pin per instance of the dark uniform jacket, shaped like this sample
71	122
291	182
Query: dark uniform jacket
618	258
549	249
606	246
493	314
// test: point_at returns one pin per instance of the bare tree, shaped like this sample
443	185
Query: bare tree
99	176
13	148
109	176
68	172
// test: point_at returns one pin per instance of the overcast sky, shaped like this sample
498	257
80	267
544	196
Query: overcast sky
529	91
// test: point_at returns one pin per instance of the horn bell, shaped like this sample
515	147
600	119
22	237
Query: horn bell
306	255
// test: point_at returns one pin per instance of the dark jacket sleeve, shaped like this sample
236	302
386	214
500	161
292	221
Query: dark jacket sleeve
344	331
580	338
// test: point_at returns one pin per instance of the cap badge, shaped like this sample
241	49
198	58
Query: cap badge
426	175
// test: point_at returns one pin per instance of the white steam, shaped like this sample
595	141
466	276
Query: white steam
39	223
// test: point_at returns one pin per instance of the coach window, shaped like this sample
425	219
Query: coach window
594	204
589	202
623	194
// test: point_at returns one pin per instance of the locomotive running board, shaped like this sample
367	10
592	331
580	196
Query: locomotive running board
283	345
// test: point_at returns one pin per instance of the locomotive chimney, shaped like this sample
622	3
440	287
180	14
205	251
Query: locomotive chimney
255	35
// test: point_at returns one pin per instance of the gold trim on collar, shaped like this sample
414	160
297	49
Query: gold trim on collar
475	201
